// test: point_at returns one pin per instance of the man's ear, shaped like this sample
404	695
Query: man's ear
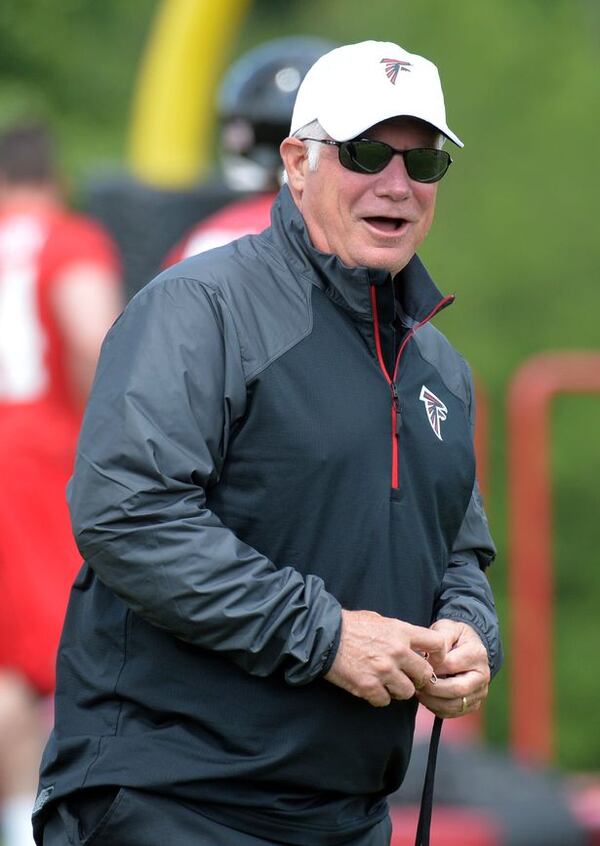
293	154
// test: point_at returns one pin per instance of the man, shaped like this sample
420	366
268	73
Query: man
275	497
59	293
254	107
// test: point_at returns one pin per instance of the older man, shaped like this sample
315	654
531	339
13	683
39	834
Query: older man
275	498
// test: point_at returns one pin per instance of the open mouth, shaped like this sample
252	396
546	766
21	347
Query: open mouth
391	225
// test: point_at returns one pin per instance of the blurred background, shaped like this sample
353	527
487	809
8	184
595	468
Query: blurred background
516	235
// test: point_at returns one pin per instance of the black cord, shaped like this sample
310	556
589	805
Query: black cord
422	838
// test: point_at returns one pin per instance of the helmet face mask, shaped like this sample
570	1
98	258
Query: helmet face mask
244	174
255	104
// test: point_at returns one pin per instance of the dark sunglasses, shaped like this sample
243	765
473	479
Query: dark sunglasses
423	164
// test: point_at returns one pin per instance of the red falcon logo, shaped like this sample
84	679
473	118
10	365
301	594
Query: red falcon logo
392	66
435	408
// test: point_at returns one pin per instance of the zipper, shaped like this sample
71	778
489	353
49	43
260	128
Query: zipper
391	380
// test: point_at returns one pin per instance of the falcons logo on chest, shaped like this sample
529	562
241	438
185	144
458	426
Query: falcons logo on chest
436	410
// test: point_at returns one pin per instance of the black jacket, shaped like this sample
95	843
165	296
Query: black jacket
237	481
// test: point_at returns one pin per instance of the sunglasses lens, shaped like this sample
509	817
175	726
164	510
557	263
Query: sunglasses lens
426	165
365	156
422	164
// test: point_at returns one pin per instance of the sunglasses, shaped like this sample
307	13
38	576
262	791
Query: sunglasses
423	164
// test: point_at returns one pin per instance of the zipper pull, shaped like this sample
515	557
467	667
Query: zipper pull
397	406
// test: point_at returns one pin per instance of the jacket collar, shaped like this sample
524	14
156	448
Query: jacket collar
416	294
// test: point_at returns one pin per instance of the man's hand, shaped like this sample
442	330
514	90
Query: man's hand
380	658
463	674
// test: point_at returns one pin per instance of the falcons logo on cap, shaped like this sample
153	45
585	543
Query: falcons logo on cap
392	66
435	408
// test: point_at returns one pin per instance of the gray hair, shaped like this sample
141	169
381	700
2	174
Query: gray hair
313	148
310	130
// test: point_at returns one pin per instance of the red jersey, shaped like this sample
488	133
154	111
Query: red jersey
35	247
39	422
242	217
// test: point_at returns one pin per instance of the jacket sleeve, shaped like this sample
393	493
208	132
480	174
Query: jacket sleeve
466	594
169	387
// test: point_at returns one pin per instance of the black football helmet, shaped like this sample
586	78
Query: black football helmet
255	104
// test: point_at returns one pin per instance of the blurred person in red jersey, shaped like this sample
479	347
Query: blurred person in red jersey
60	290
255	104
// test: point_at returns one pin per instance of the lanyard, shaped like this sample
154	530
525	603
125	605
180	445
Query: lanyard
422	837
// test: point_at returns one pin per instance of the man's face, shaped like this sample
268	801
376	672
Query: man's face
373	220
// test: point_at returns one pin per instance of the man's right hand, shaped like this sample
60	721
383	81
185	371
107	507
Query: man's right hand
381	658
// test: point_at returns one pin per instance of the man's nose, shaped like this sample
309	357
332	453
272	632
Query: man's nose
394	180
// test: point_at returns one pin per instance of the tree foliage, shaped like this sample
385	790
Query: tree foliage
72	62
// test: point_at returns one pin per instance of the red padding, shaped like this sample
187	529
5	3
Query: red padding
449	827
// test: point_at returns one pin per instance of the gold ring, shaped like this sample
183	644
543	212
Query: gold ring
463	707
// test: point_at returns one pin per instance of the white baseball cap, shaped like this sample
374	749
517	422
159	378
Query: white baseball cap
351	88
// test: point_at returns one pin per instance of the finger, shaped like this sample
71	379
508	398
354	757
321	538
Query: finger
445	708
417	668
429	680
374	692
400	686
381	699
427	640
467	704
450	708
439	707
463	684
468	656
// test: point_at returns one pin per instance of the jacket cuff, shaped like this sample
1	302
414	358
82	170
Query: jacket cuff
331	651
313	657
489	638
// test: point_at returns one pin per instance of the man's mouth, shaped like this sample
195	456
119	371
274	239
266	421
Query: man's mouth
391	225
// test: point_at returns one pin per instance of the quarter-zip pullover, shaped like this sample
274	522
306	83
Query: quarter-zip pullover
242	475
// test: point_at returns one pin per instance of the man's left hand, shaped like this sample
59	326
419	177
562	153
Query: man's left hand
463	675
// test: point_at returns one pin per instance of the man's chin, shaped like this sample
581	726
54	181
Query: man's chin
388	259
